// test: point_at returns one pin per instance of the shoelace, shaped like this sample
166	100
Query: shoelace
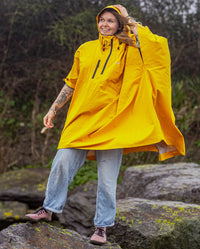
40	211
100	231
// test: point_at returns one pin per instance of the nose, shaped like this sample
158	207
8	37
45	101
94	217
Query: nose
105	24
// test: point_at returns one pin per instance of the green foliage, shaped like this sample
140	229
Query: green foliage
86	173
197	143
16	113
186	102
71	31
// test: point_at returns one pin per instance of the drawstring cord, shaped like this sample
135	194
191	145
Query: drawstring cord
119	45
105	43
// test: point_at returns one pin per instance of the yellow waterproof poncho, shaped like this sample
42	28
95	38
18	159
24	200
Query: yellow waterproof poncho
122	99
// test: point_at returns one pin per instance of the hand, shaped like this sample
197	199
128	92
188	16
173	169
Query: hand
134	30
47	120
122	9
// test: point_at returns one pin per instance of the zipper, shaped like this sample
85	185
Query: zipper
96	69
138	44
108	56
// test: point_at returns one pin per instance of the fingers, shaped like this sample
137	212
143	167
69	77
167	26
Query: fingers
122	9
134	30
47	121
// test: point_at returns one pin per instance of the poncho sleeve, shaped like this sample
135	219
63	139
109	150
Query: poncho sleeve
157	61
72	77
154	48
157	64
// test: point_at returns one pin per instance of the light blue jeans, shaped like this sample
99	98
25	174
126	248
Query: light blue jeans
65	165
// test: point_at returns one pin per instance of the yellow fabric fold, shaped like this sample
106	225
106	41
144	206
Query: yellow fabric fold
122	100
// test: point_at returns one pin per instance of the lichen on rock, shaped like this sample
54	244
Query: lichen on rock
145	224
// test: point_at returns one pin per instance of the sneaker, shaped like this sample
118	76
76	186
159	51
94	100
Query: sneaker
99	236
42	213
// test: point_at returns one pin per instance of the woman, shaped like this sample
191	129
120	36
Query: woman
121	102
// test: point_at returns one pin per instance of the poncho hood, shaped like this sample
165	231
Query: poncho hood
122	97
114	8
107	7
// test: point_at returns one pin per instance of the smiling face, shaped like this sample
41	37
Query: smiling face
108	24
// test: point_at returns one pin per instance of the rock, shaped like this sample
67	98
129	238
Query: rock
178	182
29	185
11	212
140	223
26	185
150	224
79	211
45	236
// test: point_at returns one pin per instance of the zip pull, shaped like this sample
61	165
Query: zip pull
138	44
111	47
96	69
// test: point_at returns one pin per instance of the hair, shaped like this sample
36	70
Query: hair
123	27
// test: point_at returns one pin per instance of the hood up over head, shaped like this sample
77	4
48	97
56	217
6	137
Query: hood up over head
115	12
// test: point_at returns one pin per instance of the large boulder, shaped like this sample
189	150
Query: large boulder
45	236
178	182
26	185
140	223
10	212
79	211
153	224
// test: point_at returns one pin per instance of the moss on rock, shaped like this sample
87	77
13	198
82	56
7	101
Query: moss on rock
149	224
26	185
46	236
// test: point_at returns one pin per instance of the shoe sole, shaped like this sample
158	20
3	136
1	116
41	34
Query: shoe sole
97	242
43	219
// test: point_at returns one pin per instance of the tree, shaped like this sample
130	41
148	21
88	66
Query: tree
37	43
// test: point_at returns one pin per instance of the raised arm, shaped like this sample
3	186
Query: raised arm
63	97
124	13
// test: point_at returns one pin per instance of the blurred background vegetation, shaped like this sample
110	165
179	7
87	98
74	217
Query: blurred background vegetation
37	43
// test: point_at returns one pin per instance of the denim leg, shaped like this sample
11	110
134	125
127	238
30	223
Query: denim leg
109	162
65	165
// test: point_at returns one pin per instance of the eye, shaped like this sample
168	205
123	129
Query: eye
101	20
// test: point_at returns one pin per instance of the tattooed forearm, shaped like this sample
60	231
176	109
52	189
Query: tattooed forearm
63	97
